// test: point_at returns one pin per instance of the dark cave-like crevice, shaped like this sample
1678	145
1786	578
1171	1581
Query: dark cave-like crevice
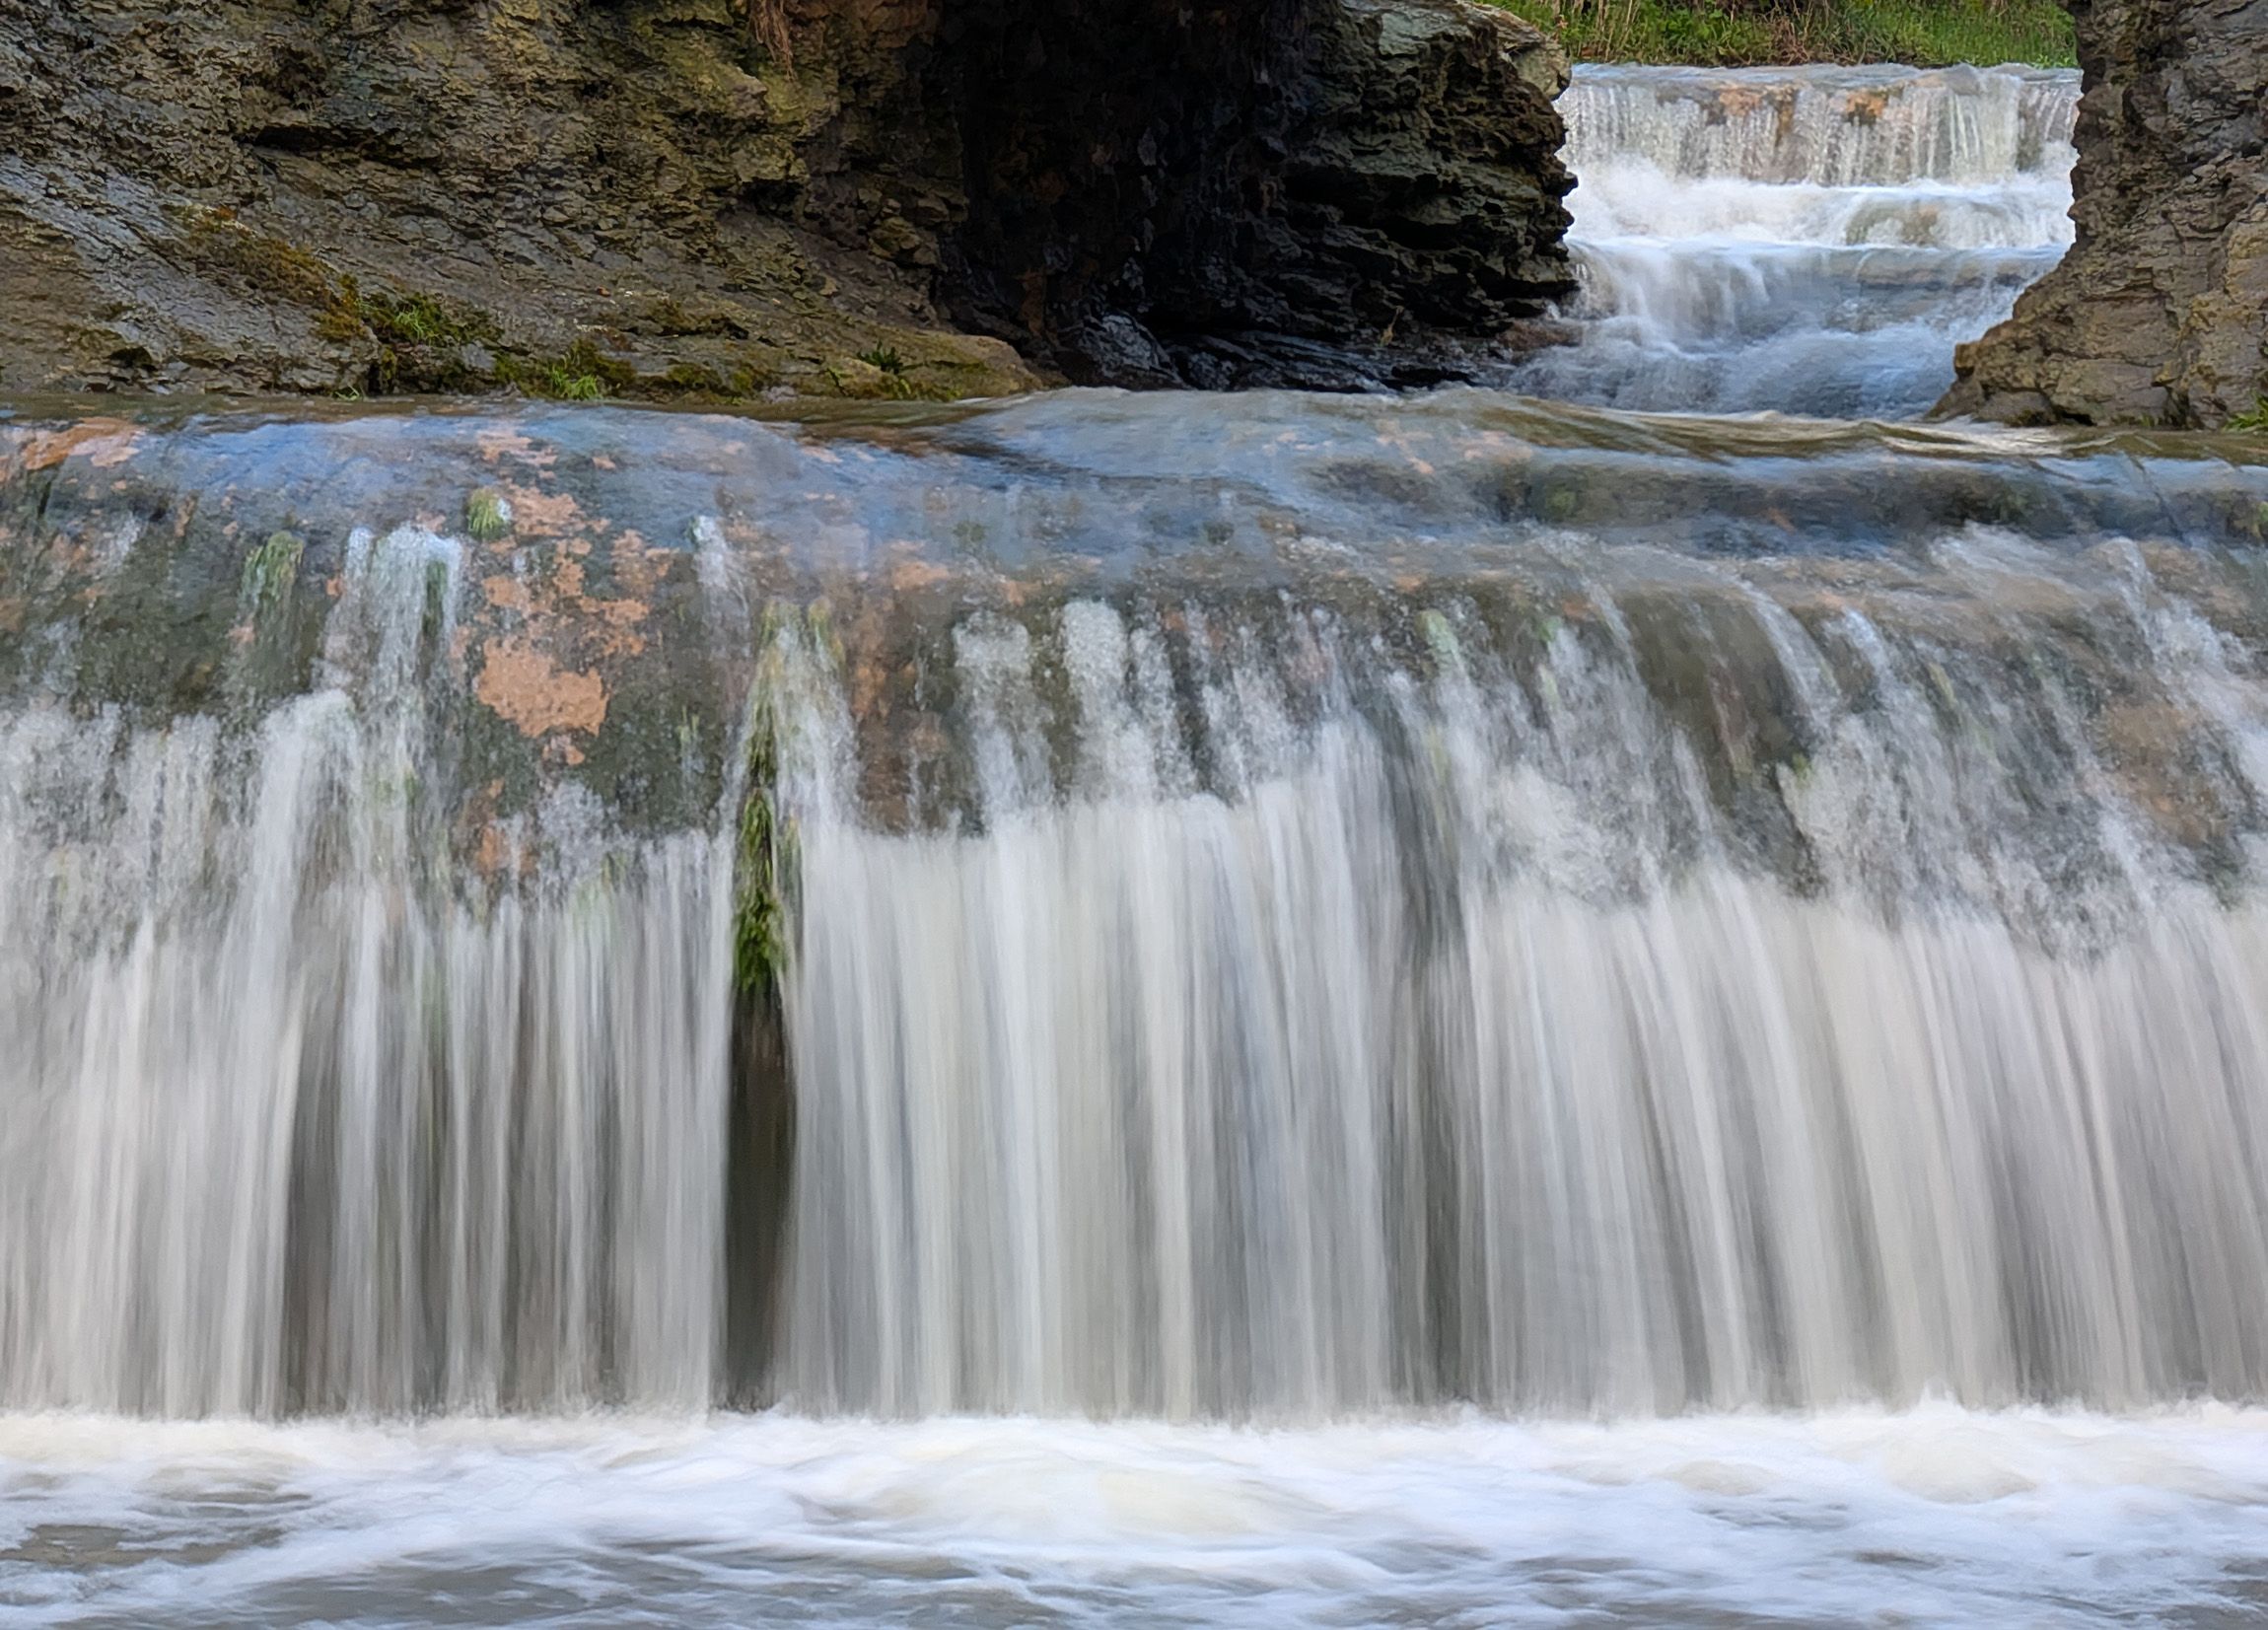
1337	193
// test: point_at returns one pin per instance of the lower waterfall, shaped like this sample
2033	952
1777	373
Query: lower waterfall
1369	955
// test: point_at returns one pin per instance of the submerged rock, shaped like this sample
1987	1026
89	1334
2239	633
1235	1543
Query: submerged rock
658	198
2160	313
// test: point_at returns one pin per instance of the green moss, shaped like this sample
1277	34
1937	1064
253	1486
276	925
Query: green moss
218	242
487	515
766	860
418	320
690	379
1441	640
394	317
582	373
760	940
2253	423
270	572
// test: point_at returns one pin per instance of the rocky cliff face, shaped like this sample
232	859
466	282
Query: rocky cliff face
866	198
1280	192
2160	313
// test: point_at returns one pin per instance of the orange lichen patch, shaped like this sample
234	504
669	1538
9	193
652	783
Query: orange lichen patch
1738	101
495	852
1865	106
101	442
527	690
618	640
539	513
639	567
507	593
907	576
499	444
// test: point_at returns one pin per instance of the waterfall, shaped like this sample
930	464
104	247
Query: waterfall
1274	908
302	1115
1812	240
1285	1027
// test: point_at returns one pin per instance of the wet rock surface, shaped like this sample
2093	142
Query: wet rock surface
660	198
2160	313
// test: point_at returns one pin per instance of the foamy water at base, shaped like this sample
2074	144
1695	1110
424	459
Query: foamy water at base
1936	1516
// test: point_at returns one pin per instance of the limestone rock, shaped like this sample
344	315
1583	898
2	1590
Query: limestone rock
570	198
644	198
2160	313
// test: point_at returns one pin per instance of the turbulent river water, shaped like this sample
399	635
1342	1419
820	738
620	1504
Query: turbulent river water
1452	1010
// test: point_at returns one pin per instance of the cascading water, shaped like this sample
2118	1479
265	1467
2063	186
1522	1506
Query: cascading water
303	1121
1809	241
1331	1010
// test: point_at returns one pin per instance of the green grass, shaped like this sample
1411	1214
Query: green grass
1926	34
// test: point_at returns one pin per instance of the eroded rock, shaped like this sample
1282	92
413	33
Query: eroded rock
653	198
2160	313
1318	192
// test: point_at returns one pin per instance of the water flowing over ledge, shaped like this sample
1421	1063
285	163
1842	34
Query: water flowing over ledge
1481	925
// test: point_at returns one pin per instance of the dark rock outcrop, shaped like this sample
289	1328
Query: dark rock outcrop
1299	191
645	199
2160	313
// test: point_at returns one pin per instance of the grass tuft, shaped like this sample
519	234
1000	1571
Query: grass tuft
487	515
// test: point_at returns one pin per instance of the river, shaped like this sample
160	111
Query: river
1634	1001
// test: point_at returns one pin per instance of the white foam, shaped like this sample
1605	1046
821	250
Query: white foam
1933	1516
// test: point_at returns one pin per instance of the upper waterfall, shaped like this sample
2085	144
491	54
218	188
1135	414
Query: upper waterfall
1805	239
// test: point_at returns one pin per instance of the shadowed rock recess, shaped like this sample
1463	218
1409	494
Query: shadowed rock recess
2160	313
666	198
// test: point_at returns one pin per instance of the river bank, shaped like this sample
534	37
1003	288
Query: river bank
932	199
